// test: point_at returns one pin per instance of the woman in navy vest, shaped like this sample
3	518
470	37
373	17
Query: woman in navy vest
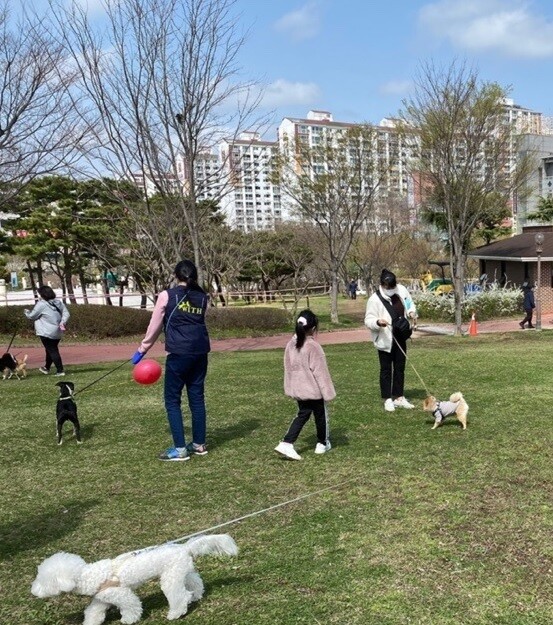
180	312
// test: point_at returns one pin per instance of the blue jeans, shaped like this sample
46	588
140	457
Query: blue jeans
190	371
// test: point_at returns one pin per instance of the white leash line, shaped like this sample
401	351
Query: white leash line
242	518
409	361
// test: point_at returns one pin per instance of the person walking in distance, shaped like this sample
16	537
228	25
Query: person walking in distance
180	312
389	310
528	304
50	316
308	381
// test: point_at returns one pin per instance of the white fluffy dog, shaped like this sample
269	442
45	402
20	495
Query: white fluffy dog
111	582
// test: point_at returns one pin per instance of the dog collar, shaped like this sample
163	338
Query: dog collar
62	398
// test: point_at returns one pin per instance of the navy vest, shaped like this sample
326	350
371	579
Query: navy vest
184	322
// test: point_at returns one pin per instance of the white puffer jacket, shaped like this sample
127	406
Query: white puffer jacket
382	337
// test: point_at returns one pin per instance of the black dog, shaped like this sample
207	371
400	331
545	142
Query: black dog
8	362
66	410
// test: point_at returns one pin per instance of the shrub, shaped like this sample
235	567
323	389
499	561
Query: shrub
261	319
98	322
490	304
86	321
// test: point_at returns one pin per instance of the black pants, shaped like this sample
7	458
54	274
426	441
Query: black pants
528	319
52	353
305	408
392	370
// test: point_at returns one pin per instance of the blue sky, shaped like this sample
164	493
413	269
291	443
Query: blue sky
357	58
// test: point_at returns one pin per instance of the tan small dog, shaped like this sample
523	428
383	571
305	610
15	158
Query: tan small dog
11	366
21	368
441	409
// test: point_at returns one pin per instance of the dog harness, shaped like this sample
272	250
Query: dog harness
444	409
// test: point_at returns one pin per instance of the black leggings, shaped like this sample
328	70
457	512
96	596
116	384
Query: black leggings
305	408
52	353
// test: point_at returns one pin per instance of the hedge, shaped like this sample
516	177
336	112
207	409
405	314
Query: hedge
96	321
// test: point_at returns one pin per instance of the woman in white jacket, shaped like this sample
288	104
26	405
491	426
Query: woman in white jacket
50	316
391	347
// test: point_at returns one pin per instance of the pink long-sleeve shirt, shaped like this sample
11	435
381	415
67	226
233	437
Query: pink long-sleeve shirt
156	323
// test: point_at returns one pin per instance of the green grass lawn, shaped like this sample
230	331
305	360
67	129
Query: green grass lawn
434	527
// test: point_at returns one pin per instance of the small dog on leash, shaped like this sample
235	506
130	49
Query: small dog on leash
66	410
10	366
441	409
111	582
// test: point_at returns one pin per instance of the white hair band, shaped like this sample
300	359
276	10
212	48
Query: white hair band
302	321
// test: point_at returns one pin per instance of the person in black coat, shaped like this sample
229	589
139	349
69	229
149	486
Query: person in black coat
528	304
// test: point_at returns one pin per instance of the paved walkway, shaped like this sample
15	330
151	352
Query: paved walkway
87	353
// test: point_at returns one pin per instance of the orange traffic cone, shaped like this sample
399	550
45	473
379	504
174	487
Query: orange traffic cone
473	327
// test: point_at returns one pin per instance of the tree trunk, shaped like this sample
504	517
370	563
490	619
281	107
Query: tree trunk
106	291
220	295
334	297
82	280
458	275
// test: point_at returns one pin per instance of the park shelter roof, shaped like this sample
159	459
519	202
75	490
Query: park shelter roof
520	248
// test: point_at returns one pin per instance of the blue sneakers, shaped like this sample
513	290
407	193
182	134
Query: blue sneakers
174	455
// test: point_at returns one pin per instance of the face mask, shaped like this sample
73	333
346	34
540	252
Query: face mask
389	292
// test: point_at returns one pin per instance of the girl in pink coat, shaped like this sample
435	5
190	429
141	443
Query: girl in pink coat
308	381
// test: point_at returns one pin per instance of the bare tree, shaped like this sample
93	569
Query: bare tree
38	129
163	86
465	155
333	184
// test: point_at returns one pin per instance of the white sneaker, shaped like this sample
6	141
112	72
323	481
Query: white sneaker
389	405
321	448
287	450
401	402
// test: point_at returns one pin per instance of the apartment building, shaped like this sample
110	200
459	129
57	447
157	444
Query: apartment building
392	153
251	200
239	175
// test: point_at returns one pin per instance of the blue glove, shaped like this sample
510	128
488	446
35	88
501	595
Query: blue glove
137	357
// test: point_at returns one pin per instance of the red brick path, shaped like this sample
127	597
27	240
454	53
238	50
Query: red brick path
88	353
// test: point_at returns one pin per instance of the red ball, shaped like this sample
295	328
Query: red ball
147	372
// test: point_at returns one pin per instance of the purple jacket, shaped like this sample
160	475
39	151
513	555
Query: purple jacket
306	374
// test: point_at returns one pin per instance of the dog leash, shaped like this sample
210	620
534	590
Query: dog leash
428	393
241	518
101	377
11	340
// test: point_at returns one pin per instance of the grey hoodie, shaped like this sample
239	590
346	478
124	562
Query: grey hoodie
47	317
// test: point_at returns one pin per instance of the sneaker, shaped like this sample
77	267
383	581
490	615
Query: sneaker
389	405
287	449
322	448
198	450
401	402
521	325
44	370
174	455
59	374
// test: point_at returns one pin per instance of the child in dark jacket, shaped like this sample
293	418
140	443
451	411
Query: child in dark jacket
308	381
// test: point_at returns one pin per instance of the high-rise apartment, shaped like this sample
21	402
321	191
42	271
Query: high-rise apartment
251	200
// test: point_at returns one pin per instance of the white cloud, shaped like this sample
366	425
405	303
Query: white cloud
504	26
304	23
93	7
285	93
395	87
